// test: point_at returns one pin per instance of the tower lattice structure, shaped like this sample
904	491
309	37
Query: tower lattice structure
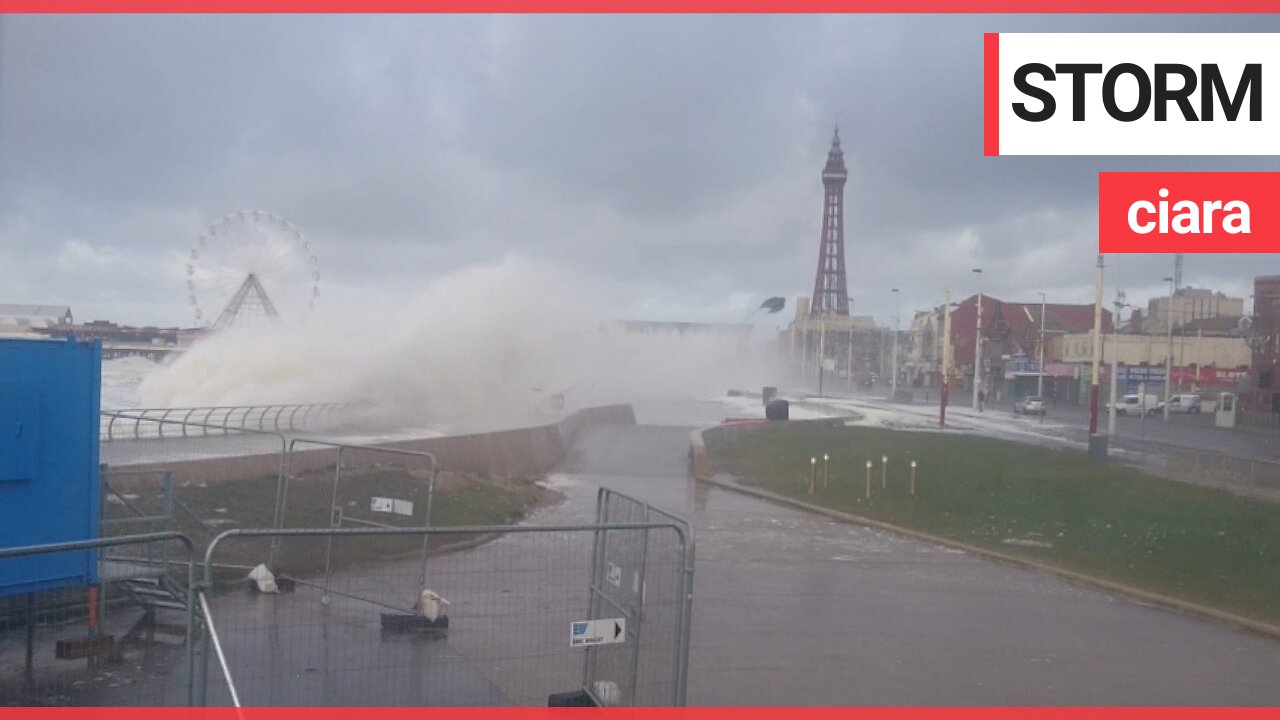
830	285
249	306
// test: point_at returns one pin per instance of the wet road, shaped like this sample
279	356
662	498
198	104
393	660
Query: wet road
1070	424
791	608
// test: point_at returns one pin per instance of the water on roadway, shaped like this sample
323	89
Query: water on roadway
792	608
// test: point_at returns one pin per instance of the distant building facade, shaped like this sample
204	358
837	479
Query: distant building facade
1011	336
23	319
1263	336
1188	305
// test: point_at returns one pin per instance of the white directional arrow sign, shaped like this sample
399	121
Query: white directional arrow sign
586	633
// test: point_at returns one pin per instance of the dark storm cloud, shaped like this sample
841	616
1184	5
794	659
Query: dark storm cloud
671	162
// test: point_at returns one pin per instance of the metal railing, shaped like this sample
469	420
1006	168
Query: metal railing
337	514
1243	476
48	677
508	640
160	423
136	513
216	643
515	593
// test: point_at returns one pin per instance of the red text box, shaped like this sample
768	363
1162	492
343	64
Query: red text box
1219	212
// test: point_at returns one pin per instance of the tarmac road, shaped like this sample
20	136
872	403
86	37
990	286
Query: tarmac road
791	608
1071	423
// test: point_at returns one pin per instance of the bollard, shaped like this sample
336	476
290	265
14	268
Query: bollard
868	479
813	471
826	468
913	477
884	471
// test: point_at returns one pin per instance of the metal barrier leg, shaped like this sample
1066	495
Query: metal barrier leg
639	614
30	672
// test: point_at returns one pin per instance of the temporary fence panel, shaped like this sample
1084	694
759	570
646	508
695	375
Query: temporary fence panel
496	621
651	582
125	640
348	485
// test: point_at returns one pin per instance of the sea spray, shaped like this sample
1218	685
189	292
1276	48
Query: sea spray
484	343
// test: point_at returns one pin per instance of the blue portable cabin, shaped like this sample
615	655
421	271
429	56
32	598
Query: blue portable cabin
49	480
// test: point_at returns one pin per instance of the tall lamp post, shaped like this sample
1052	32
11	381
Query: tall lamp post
893	385
1097	443
945	389
1168	361
977	344
1115	363
1040	373
848	370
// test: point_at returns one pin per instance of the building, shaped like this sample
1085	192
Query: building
1190	304
848	344
109	332
1011	333
1263	338
23	319
658	327
922	356
1189	351
1201	363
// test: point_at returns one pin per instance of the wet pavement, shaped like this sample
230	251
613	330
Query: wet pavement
791	608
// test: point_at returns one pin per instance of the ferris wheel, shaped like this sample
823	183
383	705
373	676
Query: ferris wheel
251	268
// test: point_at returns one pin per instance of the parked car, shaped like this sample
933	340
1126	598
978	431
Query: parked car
1030	405
1182	404
1135	405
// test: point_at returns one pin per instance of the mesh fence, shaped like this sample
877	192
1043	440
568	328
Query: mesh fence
628	575
1243	476
510	597
123	639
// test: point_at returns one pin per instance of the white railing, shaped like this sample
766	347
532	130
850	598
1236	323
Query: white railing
159	423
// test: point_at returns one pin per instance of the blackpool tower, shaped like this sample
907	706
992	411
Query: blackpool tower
830	286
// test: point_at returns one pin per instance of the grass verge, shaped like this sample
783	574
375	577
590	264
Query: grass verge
250	503
1049	505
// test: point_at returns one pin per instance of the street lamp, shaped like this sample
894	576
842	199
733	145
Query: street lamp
848	370
1168	361
1040	375
893	385
1115	362
977	344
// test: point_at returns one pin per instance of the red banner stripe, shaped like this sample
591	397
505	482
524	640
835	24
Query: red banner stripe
644	6
991	94
402	713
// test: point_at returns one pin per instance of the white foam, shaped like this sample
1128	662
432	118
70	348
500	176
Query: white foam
481	344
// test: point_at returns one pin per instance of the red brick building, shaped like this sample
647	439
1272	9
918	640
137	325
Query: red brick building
1011	332
1264	339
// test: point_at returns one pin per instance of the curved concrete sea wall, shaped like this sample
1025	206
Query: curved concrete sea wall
521	451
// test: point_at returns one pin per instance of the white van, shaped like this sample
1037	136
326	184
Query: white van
1136	405
1182	404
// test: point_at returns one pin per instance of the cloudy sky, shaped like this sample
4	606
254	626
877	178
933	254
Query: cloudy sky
670	163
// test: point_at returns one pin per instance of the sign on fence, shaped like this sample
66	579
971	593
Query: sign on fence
586	633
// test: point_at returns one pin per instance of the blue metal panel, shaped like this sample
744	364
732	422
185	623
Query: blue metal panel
49	484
